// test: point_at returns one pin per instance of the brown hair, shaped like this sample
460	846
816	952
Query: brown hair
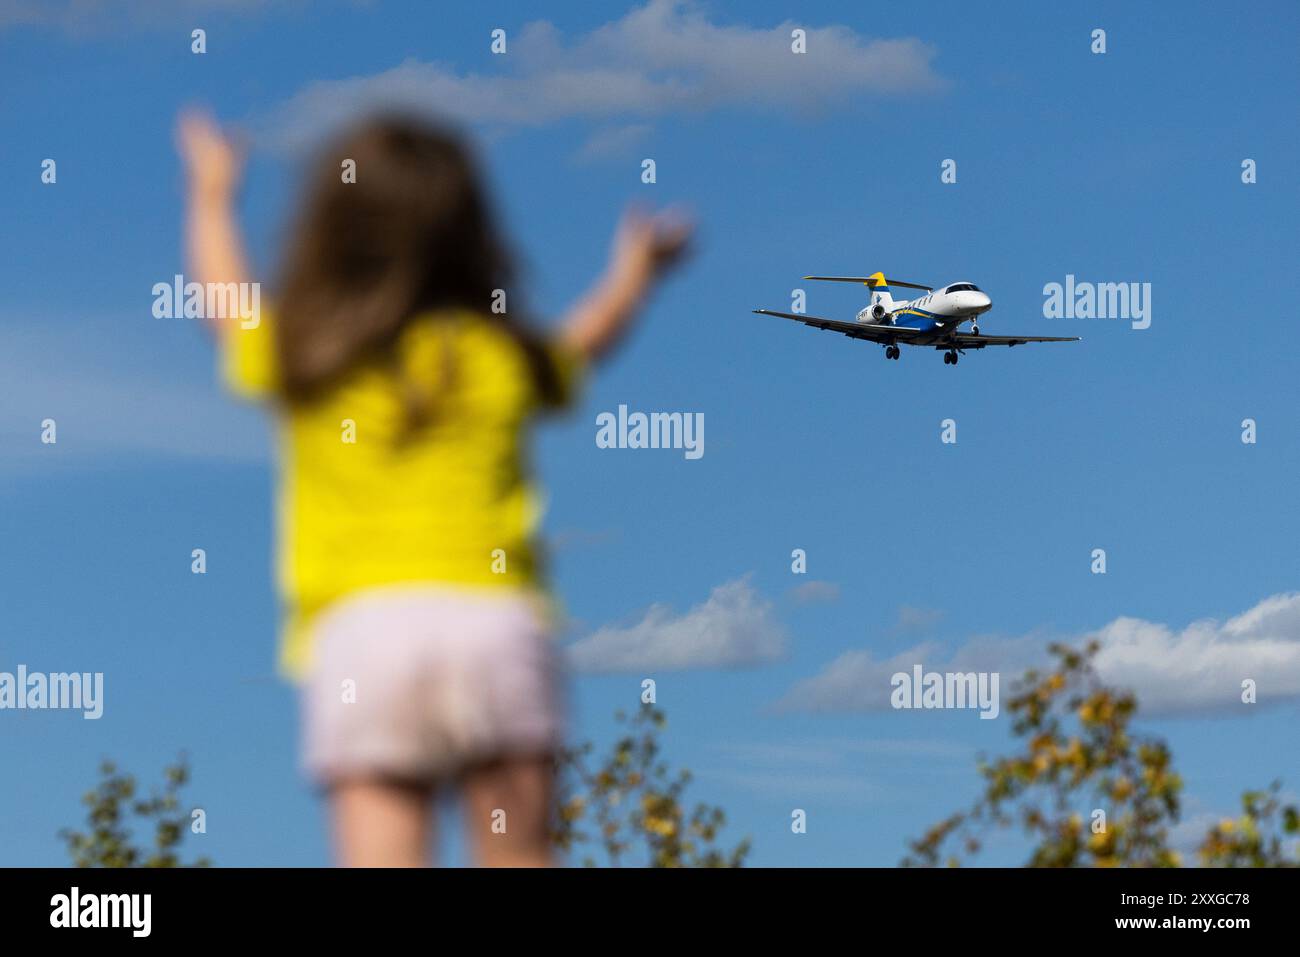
413	234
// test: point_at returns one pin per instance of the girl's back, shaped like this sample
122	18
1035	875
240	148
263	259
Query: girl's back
370	497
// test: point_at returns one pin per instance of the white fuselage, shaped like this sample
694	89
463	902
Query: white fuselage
940	310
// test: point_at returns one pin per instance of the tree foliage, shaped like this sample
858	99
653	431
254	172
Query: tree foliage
1079	755
1257	838
629	806
112	809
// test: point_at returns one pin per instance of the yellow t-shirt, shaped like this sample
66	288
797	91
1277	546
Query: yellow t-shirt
365	502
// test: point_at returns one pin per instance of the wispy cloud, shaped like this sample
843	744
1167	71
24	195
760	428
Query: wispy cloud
613	142
832	769
855	681
912	619
735	627
828	751
110	406
92	17
815	592
666	57
1173	671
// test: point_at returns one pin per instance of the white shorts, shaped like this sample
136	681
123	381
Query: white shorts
418	682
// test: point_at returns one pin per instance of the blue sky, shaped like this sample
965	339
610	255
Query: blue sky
1114	168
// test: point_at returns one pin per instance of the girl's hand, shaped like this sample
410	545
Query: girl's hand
646	247
213	163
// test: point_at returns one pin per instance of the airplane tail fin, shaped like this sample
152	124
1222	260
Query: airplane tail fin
880	294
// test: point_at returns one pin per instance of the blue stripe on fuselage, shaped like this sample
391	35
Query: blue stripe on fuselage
919	319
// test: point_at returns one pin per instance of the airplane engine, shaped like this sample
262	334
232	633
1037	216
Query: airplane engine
878	312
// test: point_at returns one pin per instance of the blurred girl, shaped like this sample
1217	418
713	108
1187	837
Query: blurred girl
415	618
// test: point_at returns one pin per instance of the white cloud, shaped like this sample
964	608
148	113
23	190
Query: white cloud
735	627
1204	664
1197	668
662	58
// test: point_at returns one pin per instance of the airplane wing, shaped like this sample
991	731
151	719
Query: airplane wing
866	280
966	340
871	331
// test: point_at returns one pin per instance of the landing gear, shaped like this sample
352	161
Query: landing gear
891	352
974	329
950	358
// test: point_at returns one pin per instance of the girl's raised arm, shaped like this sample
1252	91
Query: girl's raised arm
213	245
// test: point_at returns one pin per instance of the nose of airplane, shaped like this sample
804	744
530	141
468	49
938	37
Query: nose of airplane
980	301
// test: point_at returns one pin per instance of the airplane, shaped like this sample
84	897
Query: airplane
933	320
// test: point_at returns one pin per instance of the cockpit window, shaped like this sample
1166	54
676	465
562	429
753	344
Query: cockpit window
962	287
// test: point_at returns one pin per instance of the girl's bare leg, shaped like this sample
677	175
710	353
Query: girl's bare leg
507	809
381	823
